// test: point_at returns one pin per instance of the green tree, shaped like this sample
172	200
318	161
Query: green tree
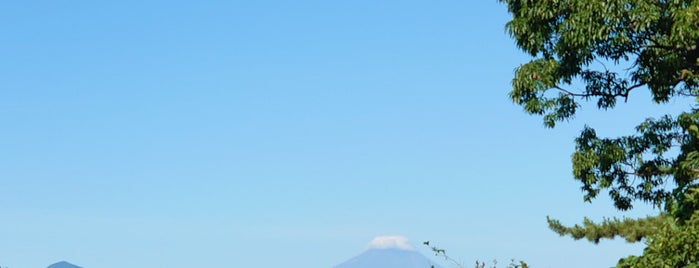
655	45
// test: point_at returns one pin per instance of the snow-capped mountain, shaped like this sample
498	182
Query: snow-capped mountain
389	252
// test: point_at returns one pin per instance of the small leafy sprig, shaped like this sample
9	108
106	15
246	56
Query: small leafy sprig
443	253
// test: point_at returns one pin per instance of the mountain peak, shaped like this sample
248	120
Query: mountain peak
63	264
391	241
389	252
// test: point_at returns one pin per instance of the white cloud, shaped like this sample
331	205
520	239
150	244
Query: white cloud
386	242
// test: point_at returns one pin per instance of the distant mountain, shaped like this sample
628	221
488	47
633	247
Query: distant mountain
388	258
389	252
63	264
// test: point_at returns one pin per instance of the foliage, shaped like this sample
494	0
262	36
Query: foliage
656	44
633	230
673	245
443	253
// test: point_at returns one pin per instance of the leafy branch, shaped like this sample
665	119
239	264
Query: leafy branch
443	253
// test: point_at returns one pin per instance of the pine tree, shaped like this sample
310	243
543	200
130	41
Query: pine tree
572	43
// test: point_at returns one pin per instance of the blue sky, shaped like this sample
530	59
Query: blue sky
279	134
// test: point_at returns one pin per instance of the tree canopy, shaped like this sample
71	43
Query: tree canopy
597	52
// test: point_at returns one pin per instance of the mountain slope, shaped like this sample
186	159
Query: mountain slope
388	258
63	264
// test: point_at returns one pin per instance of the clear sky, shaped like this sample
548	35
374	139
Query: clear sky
279	134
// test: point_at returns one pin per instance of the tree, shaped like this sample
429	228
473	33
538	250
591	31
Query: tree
656	45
